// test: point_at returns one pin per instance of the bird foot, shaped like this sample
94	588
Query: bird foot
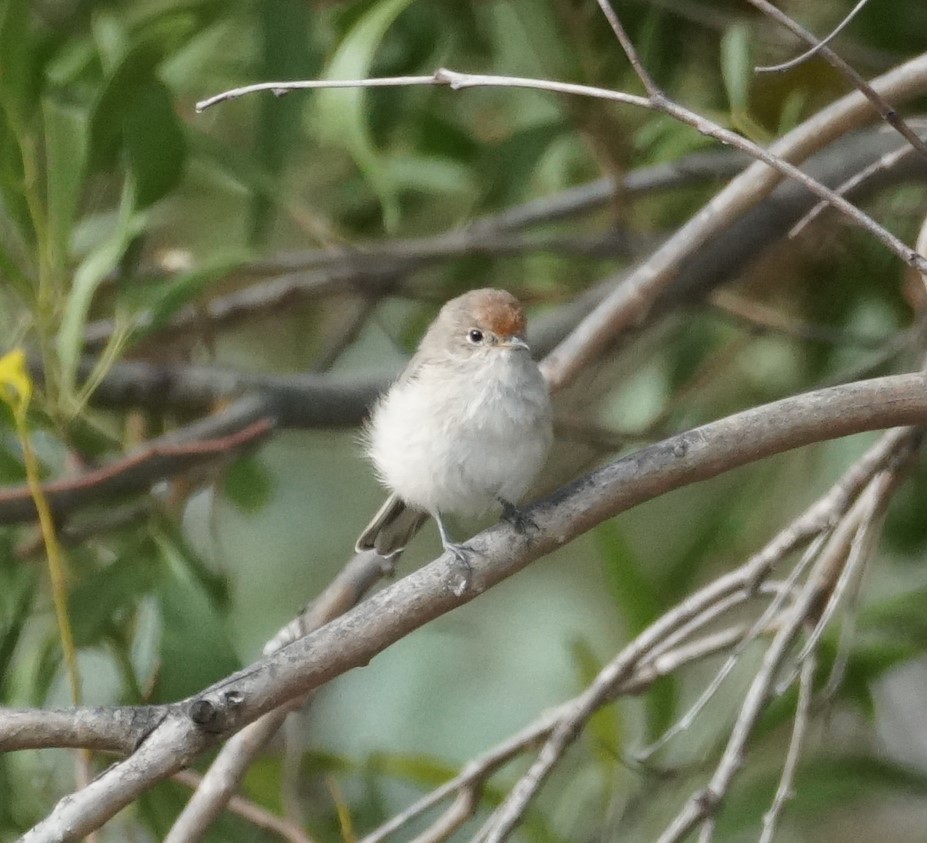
461	584
518	519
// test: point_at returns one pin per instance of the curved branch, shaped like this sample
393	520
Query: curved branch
269	402
885	110
354	638
295	401
239	426
375	267
636	294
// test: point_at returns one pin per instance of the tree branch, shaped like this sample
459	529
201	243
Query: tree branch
239	426
354	638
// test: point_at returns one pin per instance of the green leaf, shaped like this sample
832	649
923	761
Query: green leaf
19	588
632	592
426	771
286	53
737	72
117	97
605	726
429	174
11	271
66	136
110	39
154	142
195	649
12	195
95	267
12	469
340	114
247	484
900	617
18	83
509	165
228	163
105	598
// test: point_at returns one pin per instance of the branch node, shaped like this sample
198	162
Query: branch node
707	801
204	714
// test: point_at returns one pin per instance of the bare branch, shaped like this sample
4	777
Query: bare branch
630	301
653	91
468	784
703	805
280	88
497	553
224	775
799	729
376	268
817	518
818	46
251	811
751	634
100	728
241	425
886	111
294	401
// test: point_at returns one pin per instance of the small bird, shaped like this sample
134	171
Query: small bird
464	429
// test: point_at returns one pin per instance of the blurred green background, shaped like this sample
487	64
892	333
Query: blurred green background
121	206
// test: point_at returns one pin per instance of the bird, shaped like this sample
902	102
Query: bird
465	428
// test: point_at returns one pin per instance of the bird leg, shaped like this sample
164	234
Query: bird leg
518	519
458	551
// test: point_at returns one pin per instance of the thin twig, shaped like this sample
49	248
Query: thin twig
497	553
252	812
631	301
221	780
762	317
239	426
884	162
822	514
373	268
653	90
784	791
816	48
280	88
471	779
762	622
703	805
886	111
835	582
460	81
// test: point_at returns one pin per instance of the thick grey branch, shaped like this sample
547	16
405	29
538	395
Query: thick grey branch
101	728
631	300
353	639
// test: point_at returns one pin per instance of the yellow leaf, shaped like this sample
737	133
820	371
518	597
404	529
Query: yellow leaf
15	383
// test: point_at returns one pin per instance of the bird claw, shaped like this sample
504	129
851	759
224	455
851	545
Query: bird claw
461	560
518	519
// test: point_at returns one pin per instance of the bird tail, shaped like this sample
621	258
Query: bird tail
391	529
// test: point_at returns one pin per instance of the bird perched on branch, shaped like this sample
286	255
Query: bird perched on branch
464	429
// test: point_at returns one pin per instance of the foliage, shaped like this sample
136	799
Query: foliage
121	208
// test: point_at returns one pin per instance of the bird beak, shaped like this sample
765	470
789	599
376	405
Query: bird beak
515	342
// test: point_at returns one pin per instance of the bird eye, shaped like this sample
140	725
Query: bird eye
475	336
